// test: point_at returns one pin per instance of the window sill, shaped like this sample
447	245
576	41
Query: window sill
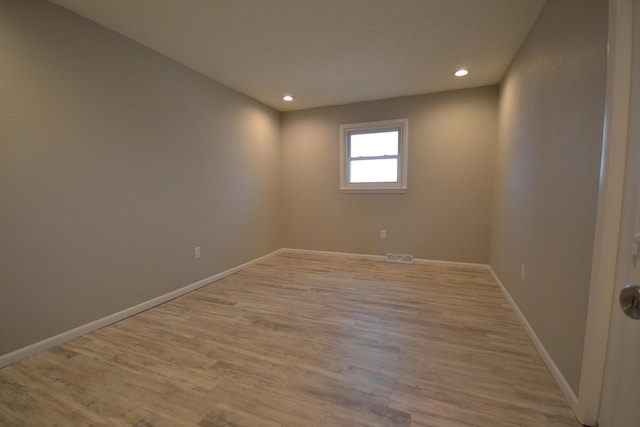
397	190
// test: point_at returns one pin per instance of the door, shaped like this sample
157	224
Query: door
620	404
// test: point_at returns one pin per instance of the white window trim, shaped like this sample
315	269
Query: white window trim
403	150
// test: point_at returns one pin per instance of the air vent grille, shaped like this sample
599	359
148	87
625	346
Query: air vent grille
400	258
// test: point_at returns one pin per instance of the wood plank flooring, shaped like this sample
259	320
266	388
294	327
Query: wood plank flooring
300	340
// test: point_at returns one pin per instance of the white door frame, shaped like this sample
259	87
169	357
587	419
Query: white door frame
609	211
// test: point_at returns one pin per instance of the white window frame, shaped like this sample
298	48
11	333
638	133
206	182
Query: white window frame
402	125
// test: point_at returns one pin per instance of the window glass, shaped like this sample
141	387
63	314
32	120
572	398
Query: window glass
378	170
374	144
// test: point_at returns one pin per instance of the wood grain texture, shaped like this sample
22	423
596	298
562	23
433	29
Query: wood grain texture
301	340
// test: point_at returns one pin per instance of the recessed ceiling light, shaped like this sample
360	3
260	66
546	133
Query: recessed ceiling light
288	98
461	72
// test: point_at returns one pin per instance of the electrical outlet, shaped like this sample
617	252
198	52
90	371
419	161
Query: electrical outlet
522	271
196	253
383	234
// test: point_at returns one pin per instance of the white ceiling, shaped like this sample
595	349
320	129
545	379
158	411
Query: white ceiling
326	52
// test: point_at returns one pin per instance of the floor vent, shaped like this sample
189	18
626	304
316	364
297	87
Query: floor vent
400	258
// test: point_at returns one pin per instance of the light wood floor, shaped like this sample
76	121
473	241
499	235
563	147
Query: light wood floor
301	340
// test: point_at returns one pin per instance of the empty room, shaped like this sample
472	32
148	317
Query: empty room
271	213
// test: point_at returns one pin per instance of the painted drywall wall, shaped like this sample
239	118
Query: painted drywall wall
550	137
115	163
444	215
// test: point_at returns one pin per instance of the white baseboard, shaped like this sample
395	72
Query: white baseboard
30	350
419	261
329	253
437	263
565	388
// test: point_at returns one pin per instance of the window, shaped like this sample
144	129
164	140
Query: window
373	156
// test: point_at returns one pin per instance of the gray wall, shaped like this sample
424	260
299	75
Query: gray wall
115	162
550	135
445	214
